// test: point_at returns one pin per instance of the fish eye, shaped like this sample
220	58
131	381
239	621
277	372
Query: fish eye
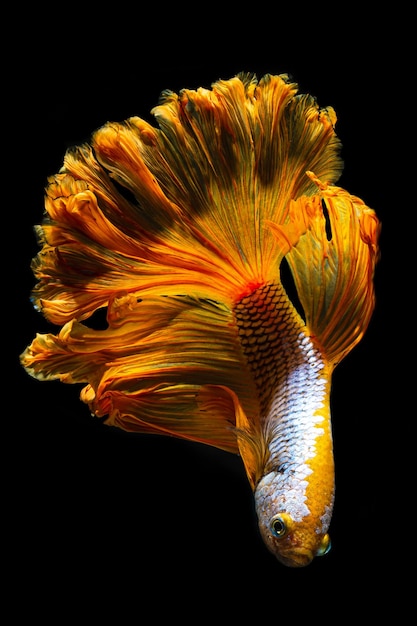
279	525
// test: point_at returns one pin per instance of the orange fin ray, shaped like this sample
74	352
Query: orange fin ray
136	368
186	205
196	413
333	267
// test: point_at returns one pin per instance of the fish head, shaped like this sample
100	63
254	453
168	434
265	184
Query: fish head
293	543
290	530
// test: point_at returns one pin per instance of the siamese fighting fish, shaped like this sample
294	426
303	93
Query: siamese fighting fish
234	275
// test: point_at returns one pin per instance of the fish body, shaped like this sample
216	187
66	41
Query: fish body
180	232
294	483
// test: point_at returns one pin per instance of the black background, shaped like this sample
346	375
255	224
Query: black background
148	526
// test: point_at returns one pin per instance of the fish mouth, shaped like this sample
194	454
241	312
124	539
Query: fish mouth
300	558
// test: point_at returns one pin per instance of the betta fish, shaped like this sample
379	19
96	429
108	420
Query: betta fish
182	233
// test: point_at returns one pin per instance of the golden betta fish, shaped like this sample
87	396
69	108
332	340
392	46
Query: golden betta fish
183	233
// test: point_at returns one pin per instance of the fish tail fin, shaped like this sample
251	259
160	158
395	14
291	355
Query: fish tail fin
185	207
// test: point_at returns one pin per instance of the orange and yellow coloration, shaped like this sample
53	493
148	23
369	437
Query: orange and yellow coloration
180	233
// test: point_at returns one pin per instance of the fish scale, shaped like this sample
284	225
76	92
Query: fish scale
286	368
269	329
293	385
